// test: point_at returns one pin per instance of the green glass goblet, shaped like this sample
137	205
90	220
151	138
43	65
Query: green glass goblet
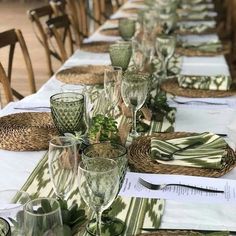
111	226
120	54
127	28
68	112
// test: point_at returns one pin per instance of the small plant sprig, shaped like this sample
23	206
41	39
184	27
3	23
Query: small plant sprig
103	129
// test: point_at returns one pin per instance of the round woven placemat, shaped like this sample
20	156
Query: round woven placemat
27	131
197	53
171	86
171	233
97	47
110	32
88	74
140	161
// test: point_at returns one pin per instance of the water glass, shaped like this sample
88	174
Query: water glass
11	208
134	89
98	185
127	28
62	162
42	216
68	112
120	54
165	47
112	82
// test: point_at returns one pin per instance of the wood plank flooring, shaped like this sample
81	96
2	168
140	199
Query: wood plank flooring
13	15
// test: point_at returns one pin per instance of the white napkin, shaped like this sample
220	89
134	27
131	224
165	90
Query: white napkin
199	38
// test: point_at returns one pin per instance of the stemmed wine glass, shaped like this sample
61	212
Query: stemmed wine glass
112	81
165	47
138	55
98	185
134	89
111	225
62	161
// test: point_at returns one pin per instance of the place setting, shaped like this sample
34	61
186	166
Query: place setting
115	160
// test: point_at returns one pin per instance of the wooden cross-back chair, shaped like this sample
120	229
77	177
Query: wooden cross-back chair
77	12
38	17
59	29
11	38
6	85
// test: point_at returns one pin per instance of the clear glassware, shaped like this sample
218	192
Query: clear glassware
110	225
138	55
112	83
120	54
11	208
68	112
98	185
62	162
5	229
165	48
134	89
42	217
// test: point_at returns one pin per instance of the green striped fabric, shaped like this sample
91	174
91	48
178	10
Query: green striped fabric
207	153
205	47
219	82
183	28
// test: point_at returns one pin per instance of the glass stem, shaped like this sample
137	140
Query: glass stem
165	69
134	124
98	222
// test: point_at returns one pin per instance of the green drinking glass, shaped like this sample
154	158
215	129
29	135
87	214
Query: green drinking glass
120	54
127	28
68	112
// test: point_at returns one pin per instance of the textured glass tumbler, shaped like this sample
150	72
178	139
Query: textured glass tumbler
120	54
127	28
68	112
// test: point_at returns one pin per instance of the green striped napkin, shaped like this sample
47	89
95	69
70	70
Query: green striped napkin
195	28
207	154
219	82
205	47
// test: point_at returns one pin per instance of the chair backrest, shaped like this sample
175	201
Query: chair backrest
38	17
78	14
6	85
11	38
59	30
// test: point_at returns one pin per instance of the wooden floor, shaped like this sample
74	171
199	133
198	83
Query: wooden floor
13	15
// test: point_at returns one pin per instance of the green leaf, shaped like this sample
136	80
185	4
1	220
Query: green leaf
65	216
46	206
67	230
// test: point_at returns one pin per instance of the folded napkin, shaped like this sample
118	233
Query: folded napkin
207	154
219	82
205	47
200	28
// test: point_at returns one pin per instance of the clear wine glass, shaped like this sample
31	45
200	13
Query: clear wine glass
98	185
62	161
134	89
138	55
110	225
165	47
112	82
42	217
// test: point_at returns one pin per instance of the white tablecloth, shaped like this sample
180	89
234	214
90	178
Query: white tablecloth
16	167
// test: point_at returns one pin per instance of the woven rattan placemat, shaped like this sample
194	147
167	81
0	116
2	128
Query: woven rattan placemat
96	47
27	131
140	161
198	53
110	32
172	233
171	86
88	74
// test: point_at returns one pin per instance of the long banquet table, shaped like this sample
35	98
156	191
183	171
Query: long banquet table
16	167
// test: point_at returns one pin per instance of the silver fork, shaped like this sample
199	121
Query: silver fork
151	186
30	108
